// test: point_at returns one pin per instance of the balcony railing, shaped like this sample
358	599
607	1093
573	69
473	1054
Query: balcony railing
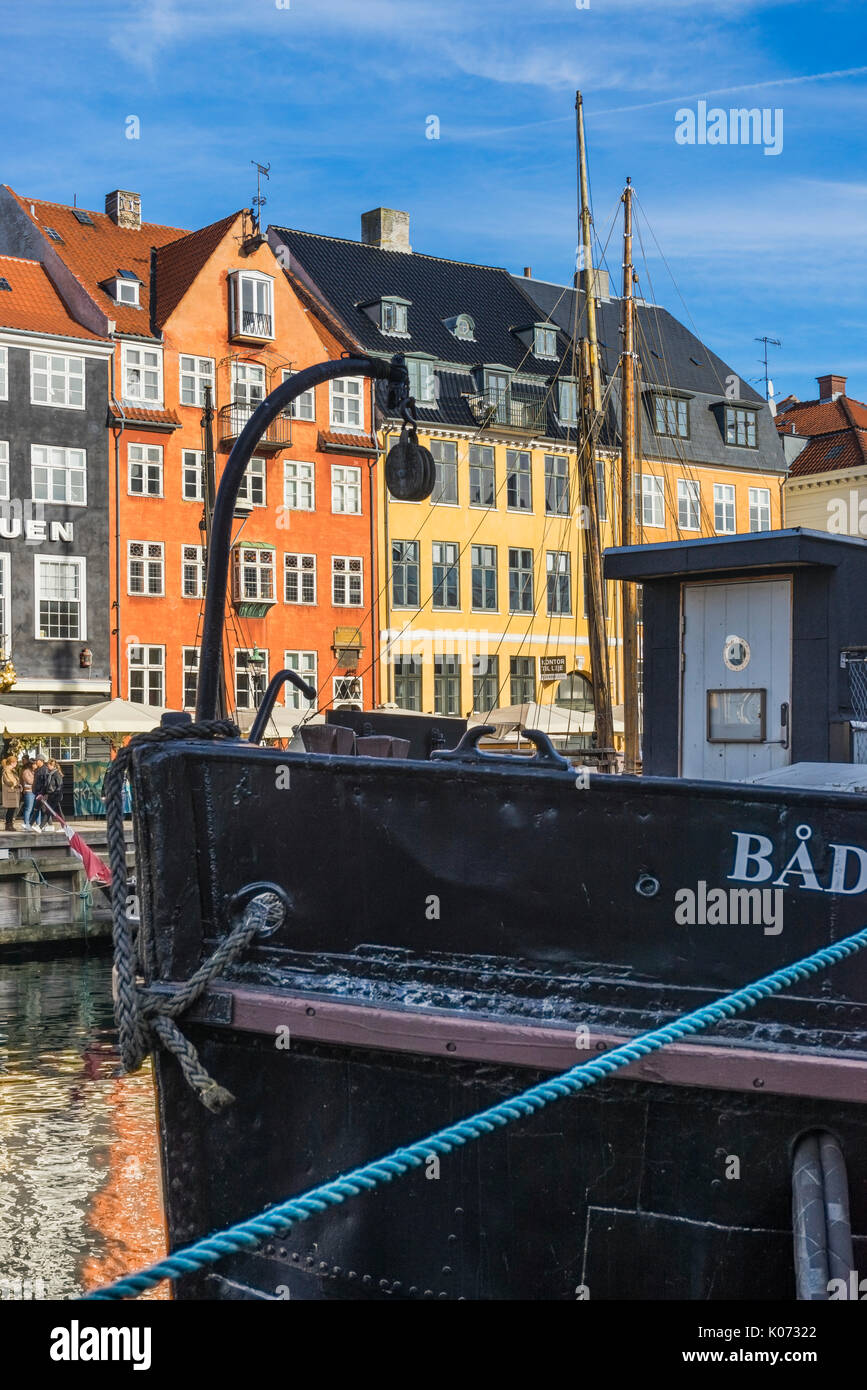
234	417
248	324
501	410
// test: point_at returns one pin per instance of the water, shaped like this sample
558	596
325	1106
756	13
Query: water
79	1177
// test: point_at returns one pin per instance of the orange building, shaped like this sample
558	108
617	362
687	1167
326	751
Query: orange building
214	309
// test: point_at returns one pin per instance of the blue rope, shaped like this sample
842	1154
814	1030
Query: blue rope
277	1220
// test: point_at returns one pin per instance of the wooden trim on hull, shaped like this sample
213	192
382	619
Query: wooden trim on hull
732	1068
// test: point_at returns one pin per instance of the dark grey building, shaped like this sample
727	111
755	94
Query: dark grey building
54	503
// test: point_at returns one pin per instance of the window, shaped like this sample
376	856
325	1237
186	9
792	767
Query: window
127	288
306	665
83	217
724	507
142	372
348	692
298	486
145	464
69	749
556	485
251	677
4	470
519	483
248	389
462	326
407	682
569	402
486	683
252	574
252	487
145	568
54	234
304	406
688	505
446	589
251	297
522	680
56	379
192	475
545	344
405	574
671	417
347	581
741	427
652	500
4	373
299	578
146	674
483	569
347	403
196	374
5	604
393	317
60	602
520	581
445	454
760	509
559	570
345	489
483	491
190	676
447	685
193	571
58	475
422	381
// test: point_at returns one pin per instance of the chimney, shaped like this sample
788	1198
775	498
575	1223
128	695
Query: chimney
831	386
386	228
528	272
124	208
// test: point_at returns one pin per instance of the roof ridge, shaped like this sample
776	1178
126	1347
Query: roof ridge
424	255
24	260
91	212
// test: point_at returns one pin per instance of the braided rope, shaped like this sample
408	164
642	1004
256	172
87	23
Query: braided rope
246	1235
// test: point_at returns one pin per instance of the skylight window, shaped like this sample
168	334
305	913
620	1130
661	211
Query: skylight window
4	283
83	217
696	361
127	274
834	452
54	234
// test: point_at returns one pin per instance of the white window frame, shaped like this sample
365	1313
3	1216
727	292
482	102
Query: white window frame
725	502
263	566
340	396
347	579
133	299
262	675
187	668
199	455
336	694
568	391
539	350
4	373
143	399
422	380
39	561
146	667
304	406
202	373
145	560
4	470
688	504
146	464
300	572
237	279
652	492
398	312
306	665
297	483
256	471
5	603
760	501
199	563
51	372
67	468
345	487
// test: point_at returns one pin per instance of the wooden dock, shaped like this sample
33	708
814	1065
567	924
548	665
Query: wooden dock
44	894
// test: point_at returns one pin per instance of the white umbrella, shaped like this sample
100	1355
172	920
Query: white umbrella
115	717
16	721
551	719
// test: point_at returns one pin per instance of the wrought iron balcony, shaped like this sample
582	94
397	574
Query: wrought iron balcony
234	417
247	324
503	411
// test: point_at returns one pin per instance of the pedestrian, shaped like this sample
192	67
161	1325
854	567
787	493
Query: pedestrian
54	789
26	776
10	795
40	778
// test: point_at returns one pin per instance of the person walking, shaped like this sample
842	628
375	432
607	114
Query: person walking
40	778
54	790
26	776
10	789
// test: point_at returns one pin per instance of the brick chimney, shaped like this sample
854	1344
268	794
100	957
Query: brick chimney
831	386
124	208
528	272
386	228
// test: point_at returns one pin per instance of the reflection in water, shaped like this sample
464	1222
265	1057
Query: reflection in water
79	1174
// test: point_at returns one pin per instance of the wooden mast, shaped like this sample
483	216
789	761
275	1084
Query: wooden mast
629	687
593	379
209	493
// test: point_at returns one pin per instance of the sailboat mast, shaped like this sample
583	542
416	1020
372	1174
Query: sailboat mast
628	611
590	362
209	493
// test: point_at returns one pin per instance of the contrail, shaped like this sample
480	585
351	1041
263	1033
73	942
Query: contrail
744	87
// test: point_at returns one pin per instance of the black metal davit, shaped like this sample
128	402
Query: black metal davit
219	547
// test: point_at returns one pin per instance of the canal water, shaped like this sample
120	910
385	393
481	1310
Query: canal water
79	1179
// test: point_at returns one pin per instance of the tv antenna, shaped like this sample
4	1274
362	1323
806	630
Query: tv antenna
768	342
262	171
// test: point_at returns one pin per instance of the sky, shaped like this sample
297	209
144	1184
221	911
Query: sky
342	99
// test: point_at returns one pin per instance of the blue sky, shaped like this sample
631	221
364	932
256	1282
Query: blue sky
336	94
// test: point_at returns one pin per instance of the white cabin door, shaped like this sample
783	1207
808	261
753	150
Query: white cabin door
736	679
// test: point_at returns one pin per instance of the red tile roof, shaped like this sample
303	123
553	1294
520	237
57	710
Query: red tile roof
33	303
822	417
95	254
837	431
179	262
139	415
353	443
845	449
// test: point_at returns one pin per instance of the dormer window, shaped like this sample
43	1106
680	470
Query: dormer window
461	326
422	380
251	305
671	416
741	427
393	315
568	404
544	340
126	288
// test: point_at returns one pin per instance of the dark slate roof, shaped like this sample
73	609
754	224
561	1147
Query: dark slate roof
795	546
